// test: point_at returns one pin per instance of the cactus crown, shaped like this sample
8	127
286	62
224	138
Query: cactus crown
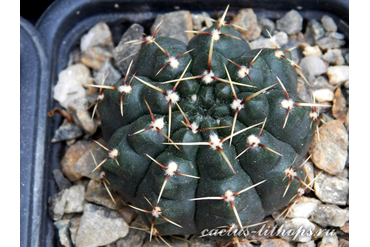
205	135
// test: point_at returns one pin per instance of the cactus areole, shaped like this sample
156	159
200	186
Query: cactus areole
207	134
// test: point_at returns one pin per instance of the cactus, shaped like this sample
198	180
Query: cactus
207	134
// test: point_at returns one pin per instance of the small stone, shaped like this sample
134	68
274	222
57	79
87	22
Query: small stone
347	58
345	227
247	20
334	57
67	201
330	43
281	38
72	155
107	75
128	213
329	241
314	32
308	244
311	50
338	74
264	24
291	22
133	238
61	181
98	194
323	95
275	242
99	35
67	131
312	66
74	225
200	19
86	164
328	23
100	226
335	35
309	171
329	148
81	116
262	42
70	84
57	203
304	208
339	108
124	53
297	229
343	242
330	189
62	226
174	25
75	199
96	56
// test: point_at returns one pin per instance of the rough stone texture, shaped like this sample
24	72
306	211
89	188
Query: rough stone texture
314	31
61	181
291	23
85	165
96	56
297	230
100	226
133	238
339	108
74	225
303	208
67	131
329	149
98	35
329	241
338	74
74	199
264	24
108	74
67	201
124	53
62	226
97	193
175	25
332	189
330	215
81	116
334	57
70	84
247	19
345	227
73	154
330	43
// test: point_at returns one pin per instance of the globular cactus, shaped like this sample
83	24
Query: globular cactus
205	135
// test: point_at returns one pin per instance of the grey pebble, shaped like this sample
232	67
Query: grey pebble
67	131
314	31
331	189
61	181
264	24
328	23
63	233
291	22
100	226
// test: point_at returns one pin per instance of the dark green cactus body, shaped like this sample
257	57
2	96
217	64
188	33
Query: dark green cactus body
206	99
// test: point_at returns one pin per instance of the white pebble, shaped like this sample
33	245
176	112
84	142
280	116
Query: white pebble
338	74
324	95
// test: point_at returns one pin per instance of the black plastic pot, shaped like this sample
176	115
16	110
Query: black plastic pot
44	53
